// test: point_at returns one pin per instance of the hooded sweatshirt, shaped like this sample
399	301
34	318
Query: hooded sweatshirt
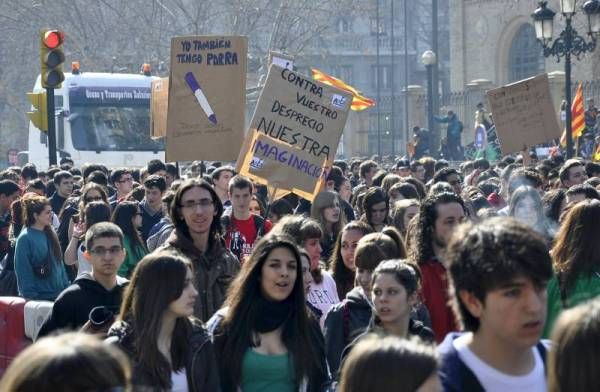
72	307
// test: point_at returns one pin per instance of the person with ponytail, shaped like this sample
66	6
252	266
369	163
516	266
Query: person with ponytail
265	338
39	266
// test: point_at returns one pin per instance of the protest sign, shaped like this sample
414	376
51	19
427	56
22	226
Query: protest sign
281	59
294	132
207	96
524	114
159	101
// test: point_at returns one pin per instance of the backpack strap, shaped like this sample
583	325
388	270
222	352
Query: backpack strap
543	353
259	224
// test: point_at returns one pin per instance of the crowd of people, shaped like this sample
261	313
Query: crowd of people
404	276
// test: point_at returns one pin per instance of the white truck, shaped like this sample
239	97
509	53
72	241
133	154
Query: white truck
100	118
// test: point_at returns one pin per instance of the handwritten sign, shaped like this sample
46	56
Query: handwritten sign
159	103
207	96
294	132
524	114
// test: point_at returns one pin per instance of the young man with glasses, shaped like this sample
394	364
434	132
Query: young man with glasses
196	212
122	180
101	287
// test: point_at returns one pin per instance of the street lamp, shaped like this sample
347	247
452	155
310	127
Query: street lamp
568	43
429	59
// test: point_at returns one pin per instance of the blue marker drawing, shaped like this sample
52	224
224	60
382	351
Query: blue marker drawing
200	97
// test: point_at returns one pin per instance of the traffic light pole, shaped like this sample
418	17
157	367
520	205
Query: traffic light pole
51	126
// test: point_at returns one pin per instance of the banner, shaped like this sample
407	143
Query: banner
159	103
524	114
207	98
294	133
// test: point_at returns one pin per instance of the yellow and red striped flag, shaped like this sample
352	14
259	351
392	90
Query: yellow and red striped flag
577	117
359	102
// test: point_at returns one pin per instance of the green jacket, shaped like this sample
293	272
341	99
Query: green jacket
134	253
584	289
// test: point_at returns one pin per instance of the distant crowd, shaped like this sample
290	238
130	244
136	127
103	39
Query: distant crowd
401	276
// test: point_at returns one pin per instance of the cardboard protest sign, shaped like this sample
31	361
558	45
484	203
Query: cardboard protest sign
524	114
207	98
159	102
294	132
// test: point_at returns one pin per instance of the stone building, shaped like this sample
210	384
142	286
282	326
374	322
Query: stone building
495	40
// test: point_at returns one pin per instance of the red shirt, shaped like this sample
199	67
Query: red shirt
241	236
435	297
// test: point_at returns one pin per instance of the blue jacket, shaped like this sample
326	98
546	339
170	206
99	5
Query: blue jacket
455	375
455	126
32	249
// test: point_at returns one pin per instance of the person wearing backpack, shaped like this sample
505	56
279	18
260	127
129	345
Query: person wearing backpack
242	229
499	269
454	131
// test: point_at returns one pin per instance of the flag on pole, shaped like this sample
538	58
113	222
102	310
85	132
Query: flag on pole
577	117
359	102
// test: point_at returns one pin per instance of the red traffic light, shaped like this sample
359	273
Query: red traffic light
53	39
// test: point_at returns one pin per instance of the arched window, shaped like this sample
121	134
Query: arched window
525	57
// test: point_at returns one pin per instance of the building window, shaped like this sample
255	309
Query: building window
525	56
385	76
343	25
382	27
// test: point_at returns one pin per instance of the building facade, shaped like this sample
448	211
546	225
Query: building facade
495	40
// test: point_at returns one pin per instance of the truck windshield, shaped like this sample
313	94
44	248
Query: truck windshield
111	119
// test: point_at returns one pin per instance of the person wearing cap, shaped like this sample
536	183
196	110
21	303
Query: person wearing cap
402	168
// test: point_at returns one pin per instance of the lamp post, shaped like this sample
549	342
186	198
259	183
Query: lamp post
429	59
567	44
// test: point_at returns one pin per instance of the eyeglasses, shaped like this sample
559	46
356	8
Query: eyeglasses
93	198
101	251
193	204
126	179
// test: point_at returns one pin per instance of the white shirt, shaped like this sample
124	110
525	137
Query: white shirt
179	381
323	295
493	380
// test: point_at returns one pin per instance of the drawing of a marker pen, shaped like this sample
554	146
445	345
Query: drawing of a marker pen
200	97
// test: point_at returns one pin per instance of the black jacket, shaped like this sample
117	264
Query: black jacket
318	379
343	323
72	307
200	364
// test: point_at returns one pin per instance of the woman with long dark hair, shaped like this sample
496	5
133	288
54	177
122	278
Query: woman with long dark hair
128	217
576	259
376	208
168	348
348	319
265	338
39	267
326	209
342	259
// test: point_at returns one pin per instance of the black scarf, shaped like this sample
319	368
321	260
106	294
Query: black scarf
271	314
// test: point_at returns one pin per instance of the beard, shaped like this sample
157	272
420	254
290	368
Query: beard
439	241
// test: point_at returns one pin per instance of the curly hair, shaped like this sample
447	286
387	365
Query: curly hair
421	249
